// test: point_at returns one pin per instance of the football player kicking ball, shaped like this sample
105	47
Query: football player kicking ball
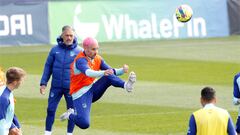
87	66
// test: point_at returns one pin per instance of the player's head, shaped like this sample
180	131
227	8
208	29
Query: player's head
208	95
68	35
15	76
90	46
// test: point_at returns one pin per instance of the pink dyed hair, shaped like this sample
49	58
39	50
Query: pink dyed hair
89	41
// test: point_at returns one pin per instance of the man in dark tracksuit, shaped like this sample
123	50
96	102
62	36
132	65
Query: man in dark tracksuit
58	65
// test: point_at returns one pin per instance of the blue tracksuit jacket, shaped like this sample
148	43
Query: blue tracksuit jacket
58	64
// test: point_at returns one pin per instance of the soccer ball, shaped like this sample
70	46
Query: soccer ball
184	13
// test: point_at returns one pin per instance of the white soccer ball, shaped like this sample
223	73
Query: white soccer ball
184	13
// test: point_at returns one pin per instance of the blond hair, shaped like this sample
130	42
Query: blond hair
2	77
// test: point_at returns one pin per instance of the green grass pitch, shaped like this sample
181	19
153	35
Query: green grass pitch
170	75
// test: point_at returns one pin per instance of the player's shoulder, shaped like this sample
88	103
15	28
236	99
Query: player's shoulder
197	111
4	94
221	110
99	57
2	89
237	75
82	60
54	48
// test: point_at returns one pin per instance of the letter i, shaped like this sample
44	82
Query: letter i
29	24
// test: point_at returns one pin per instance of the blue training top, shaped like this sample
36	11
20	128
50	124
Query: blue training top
6	110
58	64
192	129
236	81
